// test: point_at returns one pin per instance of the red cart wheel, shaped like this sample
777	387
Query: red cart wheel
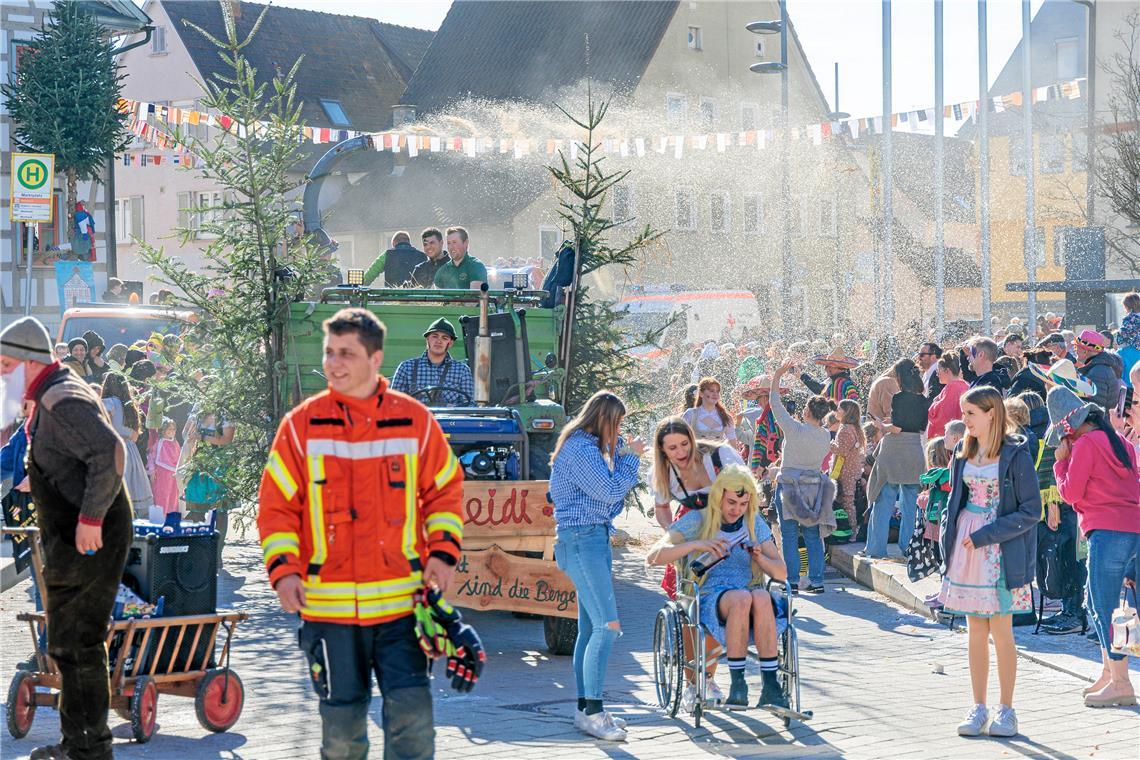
219	700
144	709
21	704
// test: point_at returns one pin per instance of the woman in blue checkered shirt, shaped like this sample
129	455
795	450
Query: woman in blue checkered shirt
592	469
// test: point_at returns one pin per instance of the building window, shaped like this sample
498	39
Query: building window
1080	151
196	210
1052	150
1068	58
335	112
708	113
675	108
759	47
828	219
753	211
694	38
748	116
1060	244
158	41
685	210
549	241
1016	156
795	217
1038	245
720	212
129	219
623	203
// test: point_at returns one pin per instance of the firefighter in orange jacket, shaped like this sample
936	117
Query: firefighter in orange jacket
359	509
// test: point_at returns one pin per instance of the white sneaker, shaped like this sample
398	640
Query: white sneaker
601	726
689	698
1004	723
713	693
975	721
580	715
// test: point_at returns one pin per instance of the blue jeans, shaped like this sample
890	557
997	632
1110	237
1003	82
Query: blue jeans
583	553
879	530
790	541
342	660
1111	554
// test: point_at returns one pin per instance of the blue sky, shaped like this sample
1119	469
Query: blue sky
847	31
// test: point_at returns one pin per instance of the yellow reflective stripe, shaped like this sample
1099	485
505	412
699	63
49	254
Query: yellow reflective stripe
385	589
281	475
411	526
317	510
448	472
343	611
445	521
280	543
380	609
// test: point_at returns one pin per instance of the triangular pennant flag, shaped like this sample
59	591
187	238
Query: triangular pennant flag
678	146
721	142
639	145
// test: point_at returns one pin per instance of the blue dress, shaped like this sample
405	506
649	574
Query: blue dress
733	572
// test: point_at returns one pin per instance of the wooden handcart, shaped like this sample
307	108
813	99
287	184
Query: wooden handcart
148	657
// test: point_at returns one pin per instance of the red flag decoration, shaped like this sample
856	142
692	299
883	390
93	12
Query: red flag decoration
225	121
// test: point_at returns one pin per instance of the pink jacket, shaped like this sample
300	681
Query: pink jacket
945	408
1104	493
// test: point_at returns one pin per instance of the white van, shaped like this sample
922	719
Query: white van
701	315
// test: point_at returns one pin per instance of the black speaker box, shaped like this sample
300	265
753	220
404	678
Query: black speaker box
504	370
182	569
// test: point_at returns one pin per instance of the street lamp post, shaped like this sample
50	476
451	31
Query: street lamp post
1090	112
984	159
939	174
888	180
781	68
836	115
1030	194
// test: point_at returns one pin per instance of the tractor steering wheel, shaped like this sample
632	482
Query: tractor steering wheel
432	394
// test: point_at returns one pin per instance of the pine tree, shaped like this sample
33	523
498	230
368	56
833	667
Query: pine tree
598	345
255	264
63	98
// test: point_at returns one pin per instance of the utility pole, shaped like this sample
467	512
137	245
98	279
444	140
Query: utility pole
888	182
984	160
1030	199
786	247
939	211
837	287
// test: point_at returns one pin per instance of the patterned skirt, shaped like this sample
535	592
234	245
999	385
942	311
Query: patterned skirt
974	583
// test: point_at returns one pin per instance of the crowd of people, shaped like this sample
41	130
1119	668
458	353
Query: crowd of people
160	433
1006	464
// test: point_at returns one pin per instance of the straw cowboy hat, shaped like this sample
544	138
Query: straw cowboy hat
836	358
762	383
1064	373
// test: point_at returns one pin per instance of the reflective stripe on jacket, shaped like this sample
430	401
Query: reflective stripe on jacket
355	496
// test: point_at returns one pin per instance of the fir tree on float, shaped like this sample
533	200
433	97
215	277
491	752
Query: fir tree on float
63	97
597	351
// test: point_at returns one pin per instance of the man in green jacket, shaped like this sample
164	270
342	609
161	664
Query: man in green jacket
75	469
464	271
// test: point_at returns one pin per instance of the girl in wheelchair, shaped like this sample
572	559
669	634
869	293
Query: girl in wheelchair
734	542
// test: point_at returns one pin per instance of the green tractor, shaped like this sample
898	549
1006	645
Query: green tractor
515	344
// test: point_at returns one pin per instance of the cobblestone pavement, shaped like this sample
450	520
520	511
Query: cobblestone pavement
868	671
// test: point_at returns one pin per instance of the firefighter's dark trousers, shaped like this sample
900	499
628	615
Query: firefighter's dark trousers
342	659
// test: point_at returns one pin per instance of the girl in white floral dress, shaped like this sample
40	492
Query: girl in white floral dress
988	539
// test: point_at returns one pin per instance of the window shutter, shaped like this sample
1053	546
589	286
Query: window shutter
137	217
185	216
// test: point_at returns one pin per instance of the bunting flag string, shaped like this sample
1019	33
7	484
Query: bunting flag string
414	144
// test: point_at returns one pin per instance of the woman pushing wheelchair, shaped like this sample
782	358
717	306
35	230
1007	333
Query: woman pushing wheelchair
734	551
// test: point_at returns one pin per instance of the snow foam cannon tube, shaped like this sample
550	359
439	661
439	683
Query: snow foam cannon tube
321	171
483	353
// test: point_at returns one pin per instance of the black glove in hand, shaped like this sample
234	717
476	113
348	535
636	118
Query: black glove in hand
465	666
466	655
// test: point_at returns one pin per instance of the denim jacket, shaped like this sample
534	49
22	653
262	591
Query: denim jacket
1019	511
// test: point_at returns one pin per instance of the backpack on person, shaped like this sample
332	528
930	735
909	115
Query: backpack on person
1056	568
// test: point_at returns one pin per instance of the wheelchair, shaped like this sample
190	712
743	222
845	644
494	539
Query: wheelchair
681	617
